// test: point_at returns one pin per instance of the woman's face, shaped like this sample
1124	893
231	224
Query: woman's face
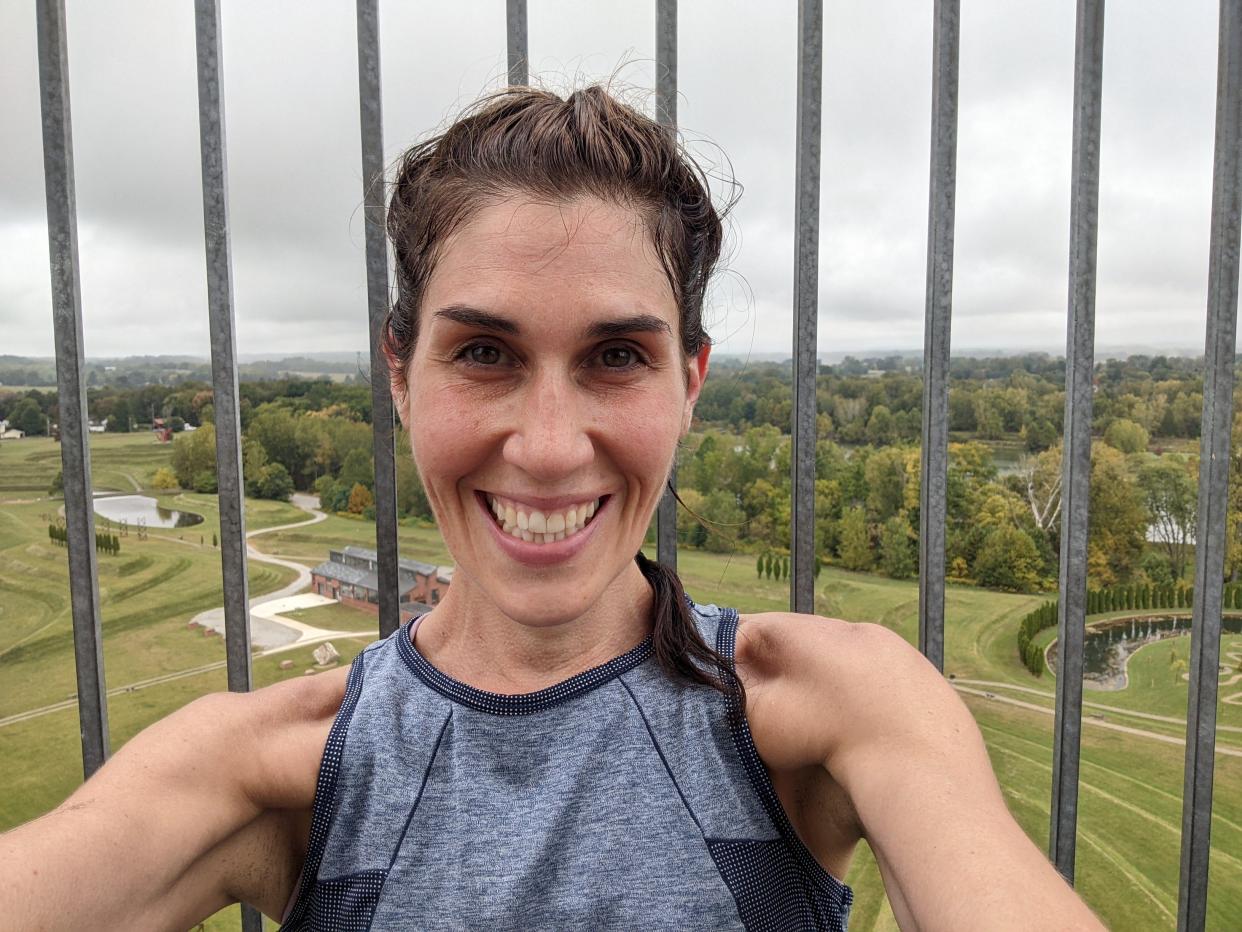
545	399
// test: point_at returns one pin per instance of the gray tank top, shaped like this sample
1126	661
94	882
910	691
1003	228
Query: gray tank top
617	799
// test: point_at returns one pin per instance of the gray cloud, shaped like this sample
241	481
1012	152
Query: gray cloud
295	186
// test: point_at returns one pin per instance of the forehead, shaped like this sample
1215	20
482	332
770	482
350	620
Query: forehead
574	256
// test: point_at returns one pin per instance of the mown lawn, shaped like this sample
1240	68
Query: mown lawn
1130	792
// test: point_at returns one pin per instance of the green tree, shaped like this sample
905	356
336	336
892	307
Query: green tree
1118	528
855	547
274	483
881	427
1008	560
896	548
1169	492
358	469
58	483
1126	436
193	455
28	417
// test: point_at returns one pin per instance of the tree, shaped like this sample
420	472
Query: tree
1170	495
1118	527
886	479
855	547
274	482
358	469
881	428
193	455
164	479
1126	436
58	483
360	499
896	548
1008	560
28	417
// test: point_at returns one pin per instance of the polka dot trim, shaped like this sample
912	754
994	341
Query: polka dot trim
325	803
345	904
820	883
524	703
771	890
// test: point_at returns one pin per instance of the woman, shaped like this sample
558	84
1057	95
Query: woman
566	741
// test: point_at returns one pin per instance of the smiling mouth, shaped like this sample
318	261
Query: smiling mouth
541	527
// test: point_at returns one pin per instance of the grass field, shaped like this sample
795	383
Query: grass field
1131	784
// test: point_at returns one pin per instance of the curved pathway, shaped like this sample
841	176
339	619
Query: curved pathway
267	629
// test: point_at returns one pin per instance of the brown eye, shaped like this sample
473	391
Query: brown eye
617	357
481	354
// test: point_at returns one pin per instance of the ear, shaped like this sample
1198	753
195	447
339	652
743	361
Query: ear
696	375
397	385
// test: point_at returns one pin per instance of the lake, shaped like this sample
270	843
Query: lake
138	510
1108	645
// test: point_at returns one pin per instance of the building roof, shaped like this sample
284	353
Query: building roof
354	576
414	566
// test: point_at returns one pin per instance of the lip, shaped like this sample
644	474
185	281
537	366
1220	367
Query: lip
528	552
559	503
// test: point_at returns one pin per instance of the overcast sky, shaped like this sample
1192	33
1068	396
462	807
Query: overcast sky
291	112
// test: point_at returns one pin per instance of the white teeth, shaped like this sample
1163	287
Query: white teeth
537	526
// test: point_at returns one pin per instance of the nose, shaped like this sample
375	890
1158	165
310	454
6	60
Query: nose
549	439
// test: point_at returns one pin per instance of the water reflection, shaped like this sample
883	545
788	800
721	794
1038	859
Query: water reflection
1108	645
138	510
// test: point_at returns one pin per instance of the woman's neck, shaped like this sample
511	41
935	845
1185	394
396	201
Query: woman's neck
469	638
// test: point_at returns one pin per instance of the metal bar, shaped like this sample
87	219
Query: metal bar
231	489
666	113
1076	461
223	345
806	306
1215	440
934	470
515	31
371	111
75	453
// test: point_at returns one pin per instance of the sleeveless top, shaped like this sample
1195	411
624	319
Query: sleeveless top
617	799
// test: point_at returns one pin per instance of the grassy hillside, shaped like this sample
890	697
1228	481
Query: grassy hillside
1130	792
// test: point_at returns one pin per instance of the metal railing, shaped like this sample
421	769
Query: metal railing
1217	395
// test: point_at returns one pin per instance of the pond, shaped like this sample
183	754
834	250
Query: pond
1108	645
137	510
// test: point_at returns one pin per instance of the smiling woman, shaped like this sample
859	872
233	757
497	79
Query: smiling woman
566	740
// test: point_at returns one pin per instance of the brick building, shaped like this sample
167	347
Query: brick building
351	575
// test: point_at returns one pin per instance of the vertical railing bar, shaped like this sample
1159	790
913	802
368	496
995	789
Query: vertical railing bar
515	40
666	113
806	306
223	345
231	489
75	453
1076	460
934	467
371	113
1218	378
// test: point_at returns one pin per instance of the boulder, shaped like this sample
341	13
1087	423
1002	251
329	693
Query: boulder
325	654
286	665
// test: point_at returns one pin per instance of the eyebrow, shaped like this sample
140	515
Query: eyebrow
486	320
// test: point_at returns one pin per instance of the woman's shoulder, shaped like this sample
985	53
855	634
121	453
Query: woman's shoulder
283	727
823	681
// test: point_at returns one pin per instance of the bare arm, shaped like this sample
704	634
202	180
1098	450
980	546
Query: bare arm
167	832
909	755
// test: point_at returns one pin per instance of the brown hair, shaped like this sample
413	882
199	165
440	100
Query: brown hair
591	144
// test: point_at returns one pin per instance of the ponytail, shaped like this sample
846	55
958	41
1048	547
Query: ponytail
678	645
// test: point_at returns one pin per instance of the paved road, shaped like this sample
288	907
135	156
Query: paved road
267	631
